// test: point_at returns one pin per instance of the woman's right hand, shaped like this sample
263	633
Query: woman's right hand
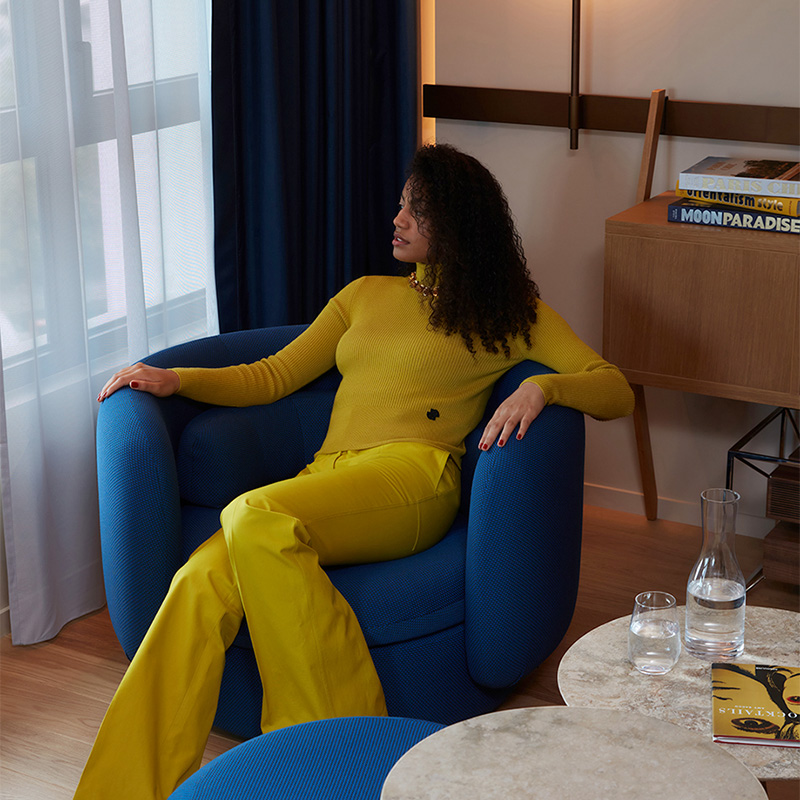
143	378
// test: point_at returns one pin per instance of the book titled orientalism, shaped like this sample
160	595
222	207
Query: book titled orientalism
756	704
743	176
787	206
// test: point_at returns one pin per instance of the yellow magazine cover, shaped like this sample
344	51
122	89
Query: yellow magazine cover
786	206
756	704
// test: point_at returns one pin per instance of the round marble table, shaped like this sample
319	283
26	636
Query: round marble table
559	753
595	673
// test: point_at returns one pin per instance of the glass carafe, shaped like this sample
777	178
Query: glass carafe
715	592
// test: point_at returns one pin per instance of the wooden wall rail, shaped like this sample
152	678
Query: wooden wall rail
729	121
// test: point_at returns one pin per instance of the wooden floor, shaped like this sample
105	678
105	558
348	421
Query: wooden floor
53	695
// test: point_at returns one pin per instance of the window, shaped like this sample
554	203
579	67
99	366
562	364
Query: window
99	186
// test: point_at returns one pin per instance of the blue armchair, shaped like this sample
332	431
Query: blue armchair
450	630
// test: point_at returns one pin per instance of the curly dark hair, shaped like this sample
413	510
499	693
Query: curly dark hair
475	255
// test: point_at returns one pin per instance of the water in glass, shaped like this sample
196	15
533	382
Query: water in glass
654	641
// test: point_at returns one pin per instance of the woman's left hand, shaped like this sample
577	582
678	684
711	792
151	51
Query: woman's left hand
518	409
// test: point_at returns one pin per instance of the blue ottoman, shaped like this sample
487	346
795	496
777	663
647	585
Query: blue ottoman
330	759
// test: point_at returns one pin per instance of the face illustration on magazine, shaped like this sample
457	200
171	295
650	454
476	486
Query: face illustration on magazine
756	703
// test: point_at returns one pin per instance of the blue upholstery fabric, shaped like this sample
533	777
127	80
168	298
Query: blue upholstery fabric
264	443
333	759
451	630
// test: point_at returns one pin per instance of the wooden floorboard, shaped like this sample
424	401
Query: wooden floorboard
53	695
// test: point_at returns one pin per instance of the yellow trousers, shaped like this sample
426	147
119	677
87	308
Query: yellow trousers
344	508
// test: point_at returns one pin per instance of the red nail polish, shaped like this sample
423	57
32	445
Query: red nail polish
501	443
134	384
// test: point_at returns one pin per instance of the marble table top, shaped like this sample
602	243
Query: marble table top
559	753
595	673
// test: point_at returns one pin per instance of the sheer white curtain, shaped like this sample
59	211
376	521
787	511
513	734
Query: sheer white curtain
105	256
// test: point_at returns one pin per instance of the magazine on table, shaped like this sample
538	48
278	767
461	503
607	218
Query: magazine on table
756	704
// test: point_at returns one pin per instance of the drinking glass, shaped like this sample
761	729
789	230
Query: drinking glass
654	640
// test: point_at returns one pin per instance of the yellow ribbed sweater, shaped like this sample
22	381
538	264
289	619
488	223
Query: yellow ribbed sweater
403	381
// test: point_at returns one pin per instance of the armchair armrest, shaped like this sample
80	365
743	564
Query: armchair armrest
524	545
140	523
140	508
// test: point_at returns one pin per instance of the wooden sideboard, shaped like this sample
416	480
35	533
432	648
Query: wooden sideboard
701	309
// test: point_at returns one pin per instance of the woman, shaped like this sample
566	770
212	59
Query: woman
418	359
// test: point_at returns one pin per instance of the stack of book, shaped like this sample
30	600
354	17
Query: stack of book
757	194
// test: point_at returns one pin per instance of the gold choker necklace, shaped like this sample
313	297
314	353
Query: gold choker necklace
425	291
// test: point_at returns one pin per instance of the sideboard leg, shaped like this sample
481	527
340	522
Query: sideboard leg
645	452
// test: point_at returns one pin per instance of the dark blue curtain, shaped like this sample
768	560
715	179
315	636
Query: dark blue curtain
314	112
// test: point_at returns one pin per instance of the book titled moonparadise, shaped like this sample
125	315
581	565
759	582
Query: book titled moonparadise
743	176
698	213
756	704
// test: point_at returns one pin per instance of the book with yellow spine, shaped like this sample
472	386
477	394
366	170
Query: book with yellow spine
788	206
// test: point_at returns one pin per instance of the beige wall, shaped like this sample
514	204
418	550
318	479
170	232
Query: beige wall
713	50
